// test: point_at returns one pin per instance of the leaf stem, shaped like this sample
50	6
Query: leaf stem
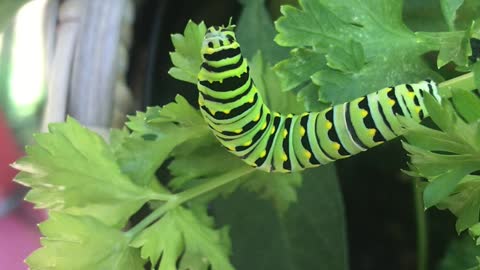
422	236
184	196
464	82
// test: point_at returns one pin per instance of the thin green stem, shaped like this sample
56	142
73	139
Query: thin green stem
422	236
184	196
464	82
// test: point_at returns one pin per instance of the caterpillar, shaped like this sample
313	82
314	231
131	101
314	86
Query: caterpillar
236	114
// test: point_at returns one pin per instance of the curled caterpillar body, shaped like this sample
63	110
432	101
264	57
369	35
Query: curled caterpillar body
234	110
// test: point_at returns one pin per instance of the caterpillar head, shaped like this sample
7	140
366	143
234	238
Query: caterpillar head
218	38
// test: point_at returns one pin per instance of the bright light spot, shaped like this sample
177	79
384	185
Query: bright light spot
27	77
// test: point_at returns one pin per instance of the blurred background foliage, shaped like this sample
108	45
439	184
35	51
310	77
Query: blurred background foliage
378	200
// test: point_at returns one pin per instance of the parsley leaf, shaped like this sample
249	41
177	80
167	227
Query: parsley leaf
72	169
82	242
187	58
180	232
446	158
382	50
154	135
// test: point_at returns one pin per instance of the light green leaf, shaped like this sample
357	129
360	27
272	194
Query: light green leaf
186	58
155	134
442	186
71	168
449	10
392	54
180	232
467	105
78	243
465	202
476	74
446	158
469	11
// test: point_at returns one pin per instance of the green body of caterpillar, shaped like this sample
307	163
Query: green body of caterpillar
238	117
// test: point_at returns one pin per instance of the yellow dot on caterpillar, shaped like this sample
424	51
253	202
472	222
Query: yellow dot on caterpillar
264	126
418	109
284	157
231	148
248	143
411	94
372	132
364	113
226	111
238	131
276	114
391	102
308	154
251	100
263	154
305	114
273	130
328	125
256	118
285	133
336	146
302	131
289	115
210	50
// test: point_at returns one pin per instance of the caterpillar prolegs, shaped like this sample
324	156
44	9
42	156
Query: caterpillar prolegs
270	141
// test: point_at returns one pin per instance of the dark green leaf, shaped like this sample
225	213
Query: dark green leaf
310	235
255	32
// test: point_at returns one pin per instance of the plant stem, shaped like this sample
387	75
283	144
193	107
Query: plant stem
464	82
184	196
422	237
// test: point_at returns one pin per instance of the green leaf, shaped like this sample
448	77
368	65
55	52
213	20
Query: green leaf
310	235
446	158
476	73
255	31
460	255
349	59
442	186
467	105
268	84
155	134
469	11
8	9
449	10
78	243
72	169
392	54
465	202
186	58
180	232
293	77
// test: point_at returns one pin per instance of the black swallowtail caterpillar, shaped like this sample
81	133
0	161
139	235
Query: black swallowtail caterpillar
270	141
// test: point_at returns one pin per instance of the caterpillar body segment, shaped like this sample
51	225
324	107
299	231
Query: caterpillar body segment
238	117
